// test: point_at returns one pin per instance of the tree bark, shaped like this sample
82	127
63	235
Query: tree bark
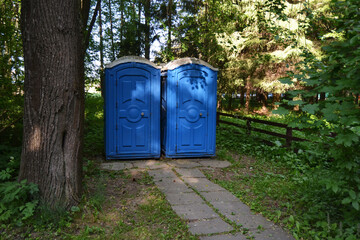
147	28
101	46
111	33
242	95
169	22
54	99
138	30
322	96
248	92
229	106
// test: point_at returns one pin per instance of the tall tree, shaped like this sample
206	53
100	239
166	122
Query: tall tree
101	48
53	42
147	28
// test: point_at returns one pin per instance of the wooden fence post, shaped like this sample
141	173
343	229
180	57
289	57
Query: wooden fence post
288	136
248	126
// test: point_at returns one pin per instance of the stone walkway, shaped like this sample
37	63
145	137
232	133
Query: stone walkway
210	210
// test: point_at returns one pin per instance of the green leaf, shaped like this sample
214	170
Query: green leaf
347	139
281	111
291	219
335	188
346	201
310	108
278	143
355	204
297	102
352	194
286	81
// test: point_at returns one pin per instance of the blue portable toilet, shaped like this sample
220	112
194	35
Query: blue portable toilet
188	108
132	109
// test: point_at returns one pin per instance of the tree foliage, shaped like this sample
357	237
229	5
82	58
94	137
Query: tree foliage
11	69
336	114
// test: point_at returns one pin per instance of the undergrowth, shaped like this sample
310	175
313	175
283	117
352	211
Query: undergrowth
287	187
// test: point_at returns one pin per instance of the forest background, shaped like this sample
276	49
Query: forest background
297	57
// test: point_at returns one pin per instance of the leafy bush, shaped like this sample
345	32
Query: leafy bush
336	115
318	210
18	200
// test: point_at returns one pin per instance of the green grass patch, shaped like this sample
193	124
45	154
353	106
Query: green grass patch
285	187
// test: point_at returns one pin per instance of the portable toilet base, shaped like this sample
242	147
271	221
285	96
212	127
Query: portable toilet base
188	108
132	109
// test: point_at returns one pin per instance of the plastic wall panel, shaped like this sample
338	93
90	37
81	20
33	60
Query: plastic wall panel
132	110
189	109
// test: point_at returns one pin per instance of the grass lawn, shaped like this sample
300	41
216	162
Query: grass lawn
115	205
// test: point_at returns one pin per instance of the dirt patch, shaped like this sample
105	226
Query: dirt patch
111	197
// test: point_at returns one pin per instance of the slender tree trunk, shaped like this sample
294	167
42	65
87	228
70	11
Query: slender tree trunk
264	99
248	92
121	26
91	25
169	13
206	33
229	106
54	99
219	103
138	28
102	75
276	98
147	28
322	96
113	57
242	96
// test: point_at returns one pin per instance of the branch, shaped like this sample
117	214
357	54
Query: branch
11	123
91	25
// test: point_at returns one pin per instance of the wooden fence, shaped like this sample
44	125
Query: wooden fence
289	130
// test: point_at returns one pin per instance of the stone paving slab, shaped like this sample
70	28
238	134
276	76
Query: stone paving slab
216	225
116	166
237	236
150	164
220	196
184	163
232	208
194	211
190	172
183	198
214	163
241	214
271	234
159	174
172	185
203	185
250	222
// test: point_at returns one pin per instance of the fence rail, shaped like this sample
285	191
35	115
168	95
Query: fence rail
289	130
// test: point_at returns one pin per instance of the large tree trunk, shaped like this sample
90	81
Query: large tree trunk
54	99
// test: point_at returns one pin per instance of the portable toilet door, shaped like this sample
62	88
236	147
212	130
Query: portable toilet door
189	108
132	109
